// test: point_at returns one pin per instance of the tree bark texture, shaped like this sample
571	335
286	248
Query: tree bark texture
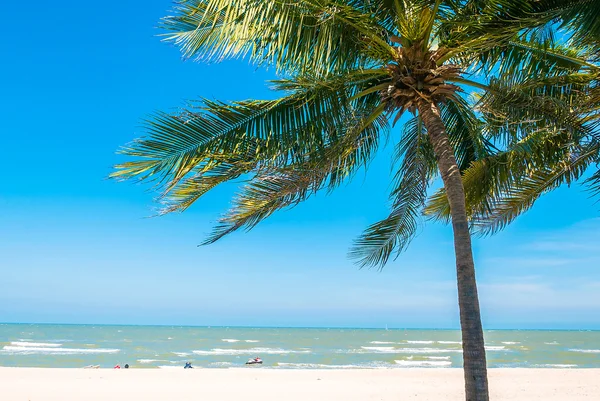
475	370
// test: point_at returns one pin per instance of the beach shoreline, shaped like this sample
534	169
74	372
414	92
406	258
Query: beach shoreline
506	384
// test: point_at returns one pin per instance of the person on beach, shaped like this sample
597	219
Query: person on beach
188	365
126	366
117	366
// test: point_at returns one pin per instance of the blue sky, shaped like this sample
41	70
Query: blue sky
77	248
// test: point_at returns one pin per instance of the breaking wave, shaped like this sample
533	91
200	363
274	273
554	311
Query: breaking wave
250	351
585	351
424	364
56	350
31	344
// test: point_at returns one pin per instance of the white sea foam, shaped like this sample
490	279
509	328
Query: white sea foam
145	361
510	342
220	364
450	342
438	357
419	342
424	363
169	338
56	351
382	342
426	350
379	349
230	340
324	366
554	365
585	351
252	341
182	353
31	344
392	350
494	347
552	343
314	366
250	351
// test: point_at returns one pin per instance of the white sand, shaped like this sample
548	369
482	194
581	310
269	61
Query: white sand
32	384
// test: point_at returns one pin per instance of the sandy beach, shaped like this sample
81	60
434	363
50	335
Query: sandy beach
37	384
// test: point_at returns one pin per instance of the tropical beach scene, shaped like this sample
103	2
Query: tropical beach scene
300	199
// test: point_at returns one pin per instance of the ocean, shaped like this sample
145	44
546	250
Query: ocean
73	346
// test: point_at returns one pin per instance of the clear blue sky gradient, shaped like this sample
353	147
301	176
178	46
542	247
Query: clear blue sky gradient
77	79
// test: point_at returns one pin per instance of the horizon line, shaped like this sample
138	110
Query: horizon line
288	327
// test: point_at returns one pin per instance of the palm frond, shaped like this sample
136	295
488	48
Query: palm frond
491	25
294	35
375	246
465	132
207	176
501	186
581	18
593	182
275	188
415	22
530	57
512	108
279	128
521	196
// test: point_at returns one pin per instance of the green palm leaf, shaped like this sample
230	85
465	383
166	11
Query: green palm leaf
298	122
501	186
296	35
593	182
375	246
465	132
272	189
520	197
512	110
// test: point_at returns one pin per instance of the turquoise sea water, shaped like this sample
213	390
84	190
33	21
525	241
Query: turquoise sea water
40	345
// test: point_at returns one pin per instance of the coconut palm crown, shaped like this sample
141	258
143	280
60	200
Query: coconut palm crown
350	70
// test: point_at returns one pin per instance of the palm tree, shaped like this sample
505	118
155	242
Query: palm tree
350	69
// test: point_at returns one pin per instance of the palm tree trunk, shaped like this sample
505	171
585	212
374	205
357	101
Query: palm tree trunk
475	370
